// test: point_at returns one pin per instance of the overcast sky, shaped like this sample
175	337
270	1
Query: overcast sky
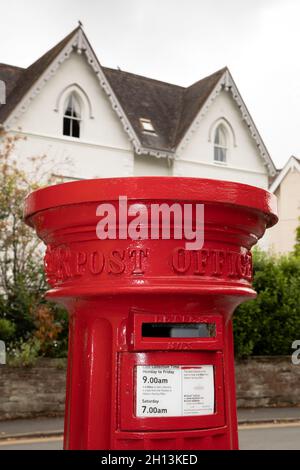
181	41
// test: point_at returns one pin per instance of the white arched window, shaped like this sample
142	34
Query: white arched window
220	144
72	116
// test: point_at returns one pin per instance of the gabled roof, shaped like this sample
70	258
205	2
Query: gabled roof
170	108
142	97
292	163
173	110
193	99
10	75
19	81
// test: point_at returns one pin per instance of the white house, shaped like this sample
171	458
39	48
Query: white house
113	123
286	186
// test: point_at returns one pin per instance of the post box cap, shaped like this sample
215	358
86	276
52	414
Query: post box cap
169	188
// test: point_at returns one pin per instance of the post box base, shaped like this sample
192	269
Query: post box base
107	345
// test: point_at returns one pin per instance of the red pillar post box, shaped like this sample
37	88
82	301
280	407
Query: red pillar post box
150	361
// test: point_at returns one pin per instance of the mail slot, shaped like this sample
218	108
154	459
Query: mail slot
178	330
150	363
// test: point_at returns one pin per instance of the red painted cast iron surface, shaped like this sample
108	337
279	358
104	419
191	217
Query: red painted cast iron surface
112	287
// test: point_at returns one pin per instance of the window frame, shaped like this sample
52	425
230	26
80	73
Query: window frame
220	148
144	122
71	118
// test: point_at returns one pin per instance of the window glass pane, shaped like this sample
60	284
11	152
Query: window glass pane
69	107
219	154
72	107
147	125
220	144
223	155
67	126
217	138
220	136
71	120
76	107
76	128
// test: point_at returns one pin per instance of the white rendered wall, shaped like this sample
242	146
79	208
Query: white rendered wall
103	149
244	163
281	238
145	165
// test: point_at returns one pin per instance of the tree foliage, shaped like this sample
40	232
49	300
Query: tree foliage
270	323
297	244
23	309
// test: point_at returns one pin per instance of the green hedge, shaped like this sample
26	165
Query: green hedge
270	323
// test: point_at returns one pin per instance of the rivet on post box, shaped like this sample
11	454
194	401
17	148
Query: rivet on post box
150	363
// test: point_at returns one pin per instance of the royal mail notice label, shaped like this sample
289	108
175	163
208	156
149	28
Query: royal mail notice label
174	390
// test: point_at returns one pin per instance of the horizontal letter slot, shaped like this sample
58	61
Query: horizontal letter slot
178	330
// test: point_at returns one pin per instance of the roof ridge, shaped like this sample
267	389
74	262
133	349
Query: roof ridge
57	45
143	77
179	131
12	66
223	69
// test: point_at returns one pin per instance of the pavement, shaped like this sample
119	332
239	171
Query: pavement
280	436
53	427
29	428
254	437
268	415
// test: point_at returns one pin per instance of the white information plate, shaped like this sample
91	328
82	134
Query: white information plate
174	390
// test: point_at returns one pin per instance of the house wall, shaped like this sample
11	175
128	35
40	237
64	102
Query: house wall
145	165
103	149
244	163
281	237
